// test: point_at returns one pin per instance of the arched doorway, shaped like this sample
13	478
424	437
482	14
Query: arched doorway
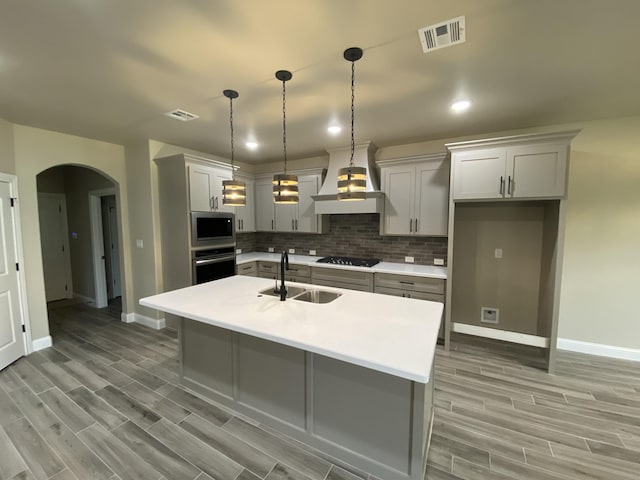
80	237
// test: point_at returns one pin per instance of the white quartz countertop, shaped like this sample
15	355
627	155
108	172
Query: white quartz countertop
389	334
382	267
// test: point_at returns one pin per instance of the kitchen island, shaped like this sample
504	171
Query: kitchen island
351	378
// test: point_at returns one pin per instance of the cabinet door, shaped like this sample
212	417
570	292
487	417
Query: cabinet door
432	199
285	217
245	216
217	177
200	195
307	220
398	186
265	213
479	174
537	171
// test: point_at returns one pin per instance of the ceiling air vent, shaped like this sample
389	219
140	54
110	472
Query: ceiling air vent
181	115
442	34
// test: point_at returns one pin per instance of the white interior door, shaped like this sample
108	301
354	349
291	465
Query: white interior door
11	335
52	212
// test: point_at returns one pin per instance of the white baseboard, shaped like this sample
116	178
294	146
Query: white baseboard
156	324
84	299
505	335
128	317
41	343
599	349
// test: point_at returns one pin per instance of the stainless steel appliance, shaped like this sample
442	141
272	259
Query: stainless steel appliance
351	261
212	229
212	264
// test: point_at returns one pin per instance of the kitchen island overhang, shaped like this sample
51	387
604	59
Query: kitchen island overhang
351	378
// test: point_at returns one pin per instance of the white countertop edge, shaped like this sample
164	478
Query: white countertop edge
412	376
429	271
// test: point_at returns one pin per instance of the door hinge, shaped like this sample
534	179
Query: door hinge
66	288
59	208
24	329
17	267
13	201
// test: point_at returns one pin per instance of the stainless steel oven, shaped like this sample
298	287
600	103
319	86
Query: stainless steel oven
212	264
212	229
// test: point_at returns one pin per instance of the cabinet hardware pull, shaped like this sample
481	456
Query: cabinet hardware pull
271	224
296	224
410	225
501	185
509	186
210	203
242	224
405	283
416	226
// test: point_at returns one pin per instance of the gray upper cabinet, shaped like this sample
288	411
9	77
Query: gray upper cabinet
416	195
205	188
520	168
300	217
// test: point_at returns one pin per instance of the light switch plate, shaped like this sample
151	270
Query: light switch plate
270	249
292	251
238	251
498	253
139	243
312	252
438	261
408	259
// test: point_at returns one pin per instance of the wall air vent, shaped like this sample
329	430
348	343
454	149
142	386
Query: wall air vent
442	34
181	115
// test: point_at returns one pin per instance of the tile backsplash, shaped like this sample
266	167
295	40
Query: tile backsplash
355	235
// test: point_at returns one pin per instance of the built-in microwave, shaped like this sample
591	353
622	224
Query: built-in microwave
212	229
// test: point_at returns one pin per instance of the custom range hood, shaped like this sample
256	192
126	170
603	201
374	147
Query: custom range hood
327	199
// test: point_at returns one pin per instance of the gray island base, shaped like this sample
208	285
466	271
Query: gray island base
352	379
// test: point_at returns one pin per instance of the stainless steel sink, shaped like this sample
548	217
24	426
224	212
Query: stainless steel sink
317	296
291	292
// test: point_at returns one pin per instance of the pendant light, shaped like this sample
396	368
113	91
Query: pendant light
285	187
352	180
234	192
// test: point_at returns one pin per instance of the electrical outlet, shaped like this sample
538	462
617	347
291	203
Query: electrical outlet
497	253
489	315
238	251
438	261
408	259
139	243
292	251
312	252
270	250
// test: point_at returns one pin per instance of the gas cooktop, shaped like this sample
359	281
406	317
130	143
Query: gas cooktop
351	261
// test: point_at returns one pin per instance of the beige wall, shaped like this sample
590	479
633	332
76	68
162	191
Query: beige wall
7	163
37	150
601	273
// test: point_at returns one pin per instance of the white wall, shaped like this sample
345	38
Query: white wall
601	274
37	150
7	163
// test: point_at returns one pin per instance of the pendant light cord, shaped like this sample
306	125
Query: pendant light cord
233	170
284	124
353	89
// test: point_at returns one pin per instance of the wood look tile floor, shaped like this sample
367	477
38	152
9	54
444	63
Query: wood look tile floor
104	403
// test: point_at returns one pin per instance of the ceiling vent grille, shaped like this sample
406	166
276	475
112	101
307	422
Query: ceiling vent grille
181	115
442	34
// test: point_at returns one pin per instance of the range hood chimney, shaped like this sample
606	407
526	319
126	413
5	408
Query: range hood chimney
327	199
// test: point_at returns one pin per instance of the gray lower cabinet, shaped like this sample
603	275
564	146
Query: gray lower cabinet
249	269
268	269
374	421
420	288
338	278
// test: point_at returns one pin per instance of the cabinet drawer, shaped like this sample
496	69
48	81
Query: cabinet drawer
250	269
267	267
396	292
298	270
342	278
297	278
410	283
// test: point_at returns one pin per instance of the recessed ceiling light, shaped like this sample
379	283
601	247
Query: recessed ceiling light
460	106
334	129
251	145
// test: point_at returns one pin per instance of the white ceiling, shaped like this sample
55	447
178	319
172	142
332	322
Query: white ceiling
109	69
